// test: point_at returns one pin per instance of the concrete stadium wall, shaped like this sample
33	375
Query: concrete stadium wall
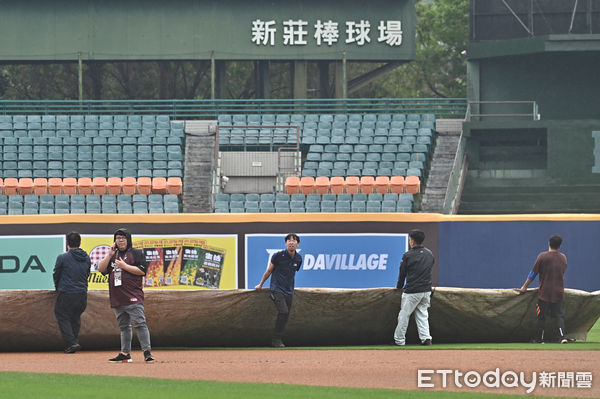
573	146
471	251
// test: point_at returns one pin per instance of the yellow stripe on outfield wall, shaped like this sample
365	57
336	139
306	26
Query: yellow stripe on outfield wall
281	217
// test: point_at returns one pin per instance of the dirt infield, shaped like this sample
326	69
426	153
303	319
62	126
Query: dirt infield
392	369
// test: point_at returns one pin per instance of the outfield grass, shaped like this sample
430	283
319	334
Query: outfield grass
60	386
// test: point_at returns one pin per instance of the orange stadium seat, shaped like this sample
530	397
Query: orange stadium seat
159	185
69	185
55	185
382	184
307	185
129	185
25	185
11	184
99	185
322	184
144	185
292	185
352	184
174	185
84	185
397	184
40	185
336	184
114	185
367	183
413	184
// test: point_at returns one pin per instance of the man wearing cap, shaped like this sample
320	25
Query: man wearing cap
126	268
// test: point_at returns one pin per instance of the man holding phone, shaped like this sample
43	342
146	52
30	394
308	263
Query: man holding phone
126	268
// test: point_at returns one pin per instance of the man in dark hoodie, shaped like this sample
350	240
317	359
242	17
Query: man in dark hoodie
126	268
70	275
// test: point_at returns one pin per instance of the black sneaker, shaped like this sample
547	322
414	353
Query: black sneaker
563	340
427	342
121	358
536	341
277	343
73	348
148	356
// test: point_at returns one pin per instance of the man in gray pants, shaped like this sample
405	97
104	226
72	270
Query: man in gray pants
415	268
126	267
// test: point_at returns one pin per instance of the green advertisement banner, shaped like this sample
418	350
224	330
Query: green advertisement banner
28	262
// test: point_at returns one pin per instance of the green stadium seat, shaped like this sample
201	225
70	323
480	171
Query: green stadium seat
298	197
327	206
343	206
366	140
358	206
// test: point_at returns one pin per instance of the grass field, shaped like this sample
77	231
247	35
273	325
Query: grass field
36	386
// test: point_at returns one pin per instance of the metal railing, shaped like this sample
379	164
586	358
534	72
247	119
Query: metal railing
211	109
474	109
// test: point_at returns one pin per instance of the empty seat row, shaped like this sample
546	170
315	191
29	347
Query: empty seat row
14	143
84	118
360	172
91	133
313	197
301	118
353	184
76	203
97	185
353	203
367	140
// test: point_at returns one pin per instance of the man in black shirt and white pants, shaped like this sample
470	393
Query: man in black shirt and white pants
415	268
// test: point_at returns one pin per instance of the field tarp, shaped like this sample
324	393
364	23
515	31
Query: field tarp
210	318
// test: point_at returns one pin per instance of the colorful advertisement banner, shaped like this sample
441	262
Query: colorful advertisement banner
332	260
174	261
27	262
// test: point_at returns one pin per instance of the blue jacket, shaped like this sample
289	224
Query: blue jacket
71	271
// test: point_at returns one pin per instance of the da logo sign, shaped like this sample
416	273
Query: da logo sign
12	264
27	262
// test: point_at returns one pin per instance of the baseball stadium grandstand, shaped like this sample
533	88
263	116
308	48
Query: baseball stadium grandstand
525	140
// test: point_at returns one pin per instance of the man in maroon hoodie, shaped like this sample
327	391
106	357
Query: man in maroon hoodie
126	268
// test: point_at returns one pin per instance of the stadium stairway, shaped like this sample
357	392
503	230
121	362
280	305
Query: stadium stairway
199	166
442	162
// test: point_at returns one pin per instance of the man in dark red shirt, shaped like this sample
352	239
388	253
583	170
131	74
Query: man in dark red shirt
551	266
126	268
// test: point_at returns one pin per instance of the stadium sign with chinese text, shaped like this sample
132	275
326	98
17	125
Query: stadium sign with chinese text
28	262
373	30
174	261
332	260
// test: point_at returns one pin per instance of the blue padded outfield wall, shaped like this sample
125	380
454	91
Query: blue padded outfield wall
341	250
499	254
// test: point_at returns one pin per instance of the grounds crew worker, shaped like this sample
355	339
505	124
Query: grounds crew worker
282	269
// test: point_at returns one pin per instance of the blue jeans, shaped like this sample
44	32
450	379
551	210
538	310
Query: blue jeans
132	315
